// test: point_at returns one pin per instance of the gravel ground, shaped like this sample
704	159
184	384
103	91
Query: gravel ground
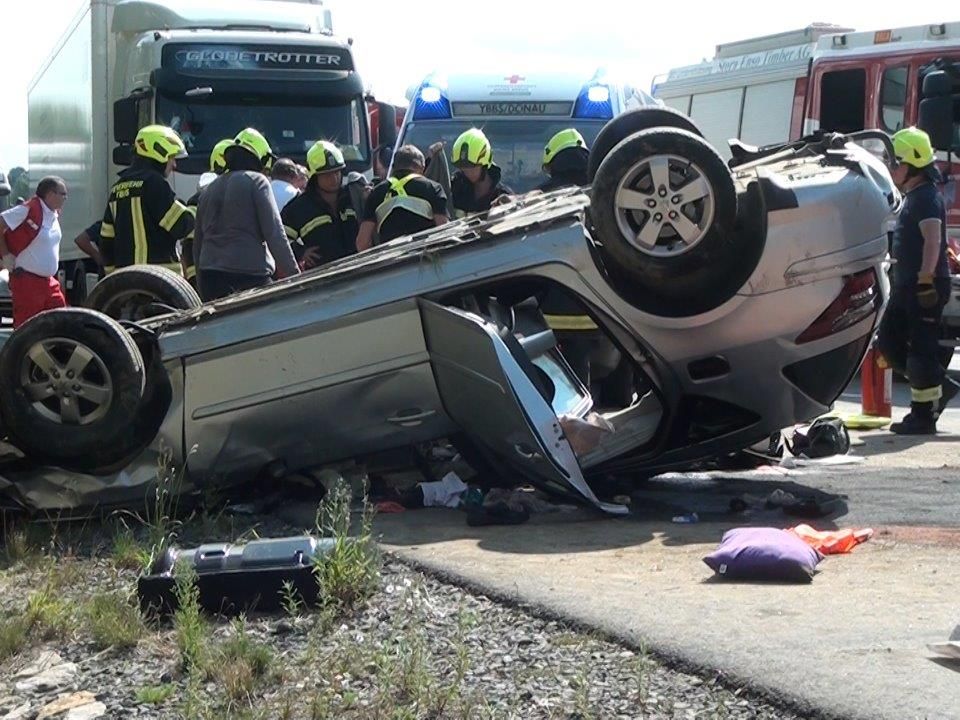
419	648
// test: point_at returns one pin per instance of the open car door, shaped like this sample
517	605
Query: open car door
487	391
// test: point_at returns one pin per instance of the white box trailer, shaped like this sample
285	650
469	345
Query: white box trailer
749	90
208	69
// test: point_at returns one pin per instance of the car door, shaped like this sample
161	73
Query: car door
487	393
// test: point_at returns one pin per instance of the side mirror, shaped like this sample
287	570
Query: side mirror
126	119
123	155
936	119
387	128
937	84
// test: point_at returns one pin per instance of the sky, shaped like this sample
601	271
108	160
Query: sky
397	43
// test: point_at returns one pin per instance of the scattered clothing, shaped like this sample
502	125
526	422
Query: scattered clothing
833	542
522	499
388	507
443	493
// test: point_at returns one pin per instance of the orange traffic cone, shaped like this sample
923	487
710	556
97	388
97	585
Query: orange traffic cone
876	385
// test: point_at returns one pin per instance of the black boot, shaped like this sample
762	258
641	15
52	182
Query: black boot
950	390
919	421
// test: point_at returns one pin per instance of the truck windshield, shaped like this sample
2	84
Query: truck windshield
290	129
517	144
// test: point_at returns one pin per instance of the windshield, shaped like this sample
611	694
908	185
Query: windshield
517	144
290	129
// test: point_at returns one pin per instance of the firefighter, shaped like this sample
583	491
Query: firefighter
565	161
476	185
218	166
321	224
144	220
582	343
403	204
910	330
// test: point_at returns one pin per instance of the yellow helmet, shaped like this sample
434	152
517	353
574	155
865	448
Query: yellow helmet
217	161
160	143
472	147
253	141
324	157
563	140
912	147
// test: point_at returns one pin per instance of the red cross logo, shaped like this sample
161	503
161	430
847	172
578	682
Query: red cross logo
514	79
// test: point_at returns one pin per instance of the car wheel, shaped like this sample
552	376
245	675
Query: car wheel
631	122
663	207
71	382
142	291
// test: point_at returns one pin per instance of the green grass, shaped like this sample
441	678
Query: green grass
13	636
113	621
242	663
350	572
154	694
192	632
127	553
48	616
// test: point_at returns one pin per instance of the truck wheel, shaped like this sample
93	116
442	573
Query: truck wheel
142	291
631	122
664	206
71	382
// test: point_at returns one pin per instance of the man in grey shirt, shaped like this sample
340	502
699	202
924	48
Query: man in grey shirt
239	240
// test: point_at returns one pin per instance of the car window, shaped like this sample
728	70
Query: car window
567	396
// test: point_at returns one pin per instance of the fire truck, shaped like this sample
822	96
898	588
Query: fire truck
780	87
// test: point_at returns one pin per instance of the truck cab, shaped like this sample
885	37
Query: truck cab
294	82
206	69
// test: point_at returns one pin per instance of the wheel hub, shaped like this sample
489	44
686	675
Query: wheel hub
664	205
66	382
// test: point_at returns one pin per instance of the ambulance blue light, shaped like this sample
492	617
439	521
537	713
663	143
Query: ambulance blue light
431	104
594	102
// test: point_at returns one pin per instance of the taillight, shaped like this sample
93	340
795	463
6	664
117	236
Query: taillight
858	299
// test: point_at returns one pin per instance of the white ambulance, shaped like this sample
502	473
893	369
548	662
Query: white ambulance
518	113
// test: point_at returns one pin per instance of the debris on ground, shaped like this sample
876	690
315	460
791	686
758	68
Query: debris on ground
415	647
765	554
832	542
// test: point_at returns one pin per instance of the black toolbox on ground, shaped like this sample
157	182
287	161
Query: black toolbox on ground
237	578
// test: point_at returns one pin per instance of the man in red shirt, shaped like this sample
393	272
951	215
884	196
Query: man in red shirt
30	250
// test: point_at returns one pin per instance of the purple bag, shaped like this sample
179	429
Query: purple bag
763	554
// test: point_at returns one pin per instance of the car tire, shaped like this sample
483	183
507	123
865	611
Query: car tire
43	364
664	209
630	123
141	291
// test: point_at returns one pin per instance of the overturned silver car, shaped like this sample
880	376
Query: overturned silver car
741	300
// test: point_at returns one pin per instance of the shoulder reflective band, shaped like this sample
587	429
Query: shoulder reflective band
570	322
398	199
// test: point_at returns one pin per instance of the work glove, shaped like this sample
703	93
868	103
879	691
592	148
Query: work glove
927	296
9	262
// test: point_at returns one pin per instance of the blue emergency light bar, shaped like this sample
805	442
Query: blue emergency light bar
431	104
594	102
